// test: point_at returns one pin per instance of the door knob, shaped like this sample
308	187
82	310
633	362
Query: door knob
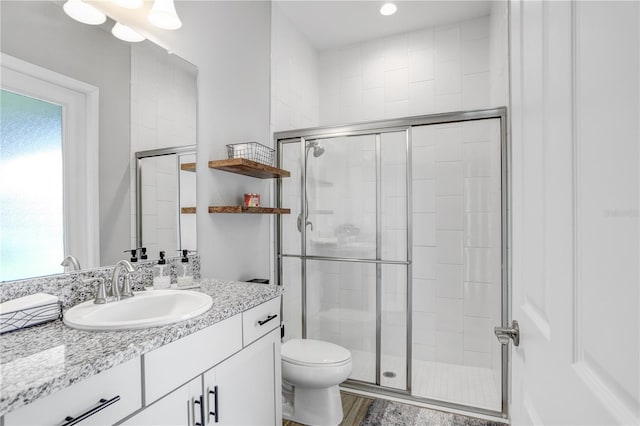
505	333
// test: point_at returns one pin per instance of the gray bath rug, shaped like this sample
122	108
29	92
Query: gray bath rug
388	413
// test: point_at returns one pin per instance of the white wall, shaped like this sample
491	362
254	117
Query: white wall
432	70
294	76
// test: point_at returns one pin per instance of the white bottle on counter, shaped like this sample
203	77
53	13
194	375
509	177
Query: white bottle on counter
184	270
161	277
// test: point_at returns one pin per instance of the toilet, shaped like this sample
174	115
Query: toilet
311	373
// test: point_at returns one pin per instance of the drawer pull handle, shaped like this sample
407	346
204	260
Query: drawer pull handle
200	402
267	319
101	405
215	411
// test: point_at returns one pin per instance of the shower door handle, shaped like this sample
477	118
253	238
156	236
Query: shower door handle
505	333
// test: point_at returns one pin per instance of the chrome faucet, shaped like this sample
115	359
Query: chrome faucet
71	261
125	291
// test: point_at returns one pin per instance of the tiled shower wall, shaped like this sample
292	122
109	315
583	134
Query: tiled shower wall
456	186
294	76
456	242
433	70
159	205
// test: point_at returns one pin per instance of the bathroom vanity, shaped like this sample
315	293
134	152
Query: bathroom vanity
222	367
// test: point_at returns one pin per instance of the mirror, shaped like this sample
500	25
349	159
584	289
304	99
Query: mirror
147	100
166	200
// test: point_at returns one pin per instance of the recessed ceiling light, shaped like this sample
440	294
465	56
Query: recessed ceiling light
83	12
126	33
388	9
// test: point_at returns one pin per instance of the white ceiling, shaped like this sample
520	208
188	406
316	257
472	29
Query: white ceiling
328	24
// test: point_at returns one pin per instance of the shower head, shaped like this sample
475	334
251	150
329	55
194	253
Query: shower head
317	149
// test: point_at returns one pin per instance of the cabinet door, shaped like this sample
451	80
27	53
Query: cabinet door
175	409
245	389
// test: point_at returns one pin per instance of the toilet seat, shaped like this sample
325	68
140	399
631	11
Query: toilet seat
314	353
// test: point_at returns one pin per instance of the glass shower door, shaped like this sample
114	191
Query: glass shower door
354	257
341	226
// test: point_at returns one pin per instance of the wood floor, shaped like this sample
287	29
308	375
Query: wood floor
354	406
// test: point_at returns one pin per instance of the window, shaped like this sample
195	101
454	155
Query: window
31	187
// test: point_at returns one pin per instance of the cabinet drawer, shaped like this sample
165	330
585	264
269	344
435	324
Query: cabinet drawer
258	321
172	365
120	385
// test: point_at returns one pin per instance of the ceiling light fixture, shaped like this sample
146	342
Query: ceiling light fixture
129	4
126	33
83	12
388	9
163	15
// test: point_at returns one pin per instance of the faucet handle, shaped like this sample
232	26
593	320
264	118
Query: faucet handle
101	291
126	288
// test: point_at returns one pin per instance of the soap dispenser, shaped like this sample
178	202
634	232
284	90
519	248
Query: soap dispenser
143	253
134	253
161	276
184	270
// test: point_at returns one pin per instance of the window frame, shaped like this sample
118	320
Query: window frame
80	103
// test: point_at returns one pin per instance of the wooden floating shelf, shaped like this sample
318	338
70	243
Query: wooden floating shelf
242	166
243	209
188	167
188	210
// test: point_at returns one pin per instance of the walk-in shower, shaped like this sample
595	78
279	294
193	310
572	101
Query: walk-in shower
396	250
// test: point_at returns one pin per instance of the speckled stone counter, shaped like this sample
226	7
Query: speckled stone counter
40	360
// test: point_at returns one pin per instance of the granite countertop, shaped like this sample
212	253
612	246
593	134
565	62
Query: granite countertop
40	360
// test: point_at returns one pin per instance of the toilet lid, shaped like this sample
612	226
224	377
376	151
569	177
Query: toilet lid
308	351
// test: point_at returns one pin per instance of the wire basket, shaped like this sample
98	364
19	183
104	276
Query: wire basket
253	151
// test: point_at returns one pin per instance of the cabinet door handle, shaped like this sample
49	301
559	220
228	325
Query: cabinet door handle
267	319
215	411
101	405
200	402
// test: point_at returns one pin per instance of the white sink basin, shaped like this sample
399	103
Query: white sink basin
146	309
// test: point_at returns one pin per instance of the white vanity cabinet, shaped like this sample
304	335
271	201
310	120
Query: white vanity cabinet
231	383
227	374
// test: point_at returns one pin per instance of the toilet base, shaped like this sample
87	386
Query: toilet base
315	407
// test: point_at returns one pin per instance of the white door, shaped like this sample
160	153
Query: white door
575	136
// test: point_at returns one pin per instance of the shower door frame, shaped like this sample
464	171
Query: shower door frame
376	128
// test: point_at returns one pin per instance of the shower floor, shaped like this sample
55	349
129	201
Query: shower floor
460	384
